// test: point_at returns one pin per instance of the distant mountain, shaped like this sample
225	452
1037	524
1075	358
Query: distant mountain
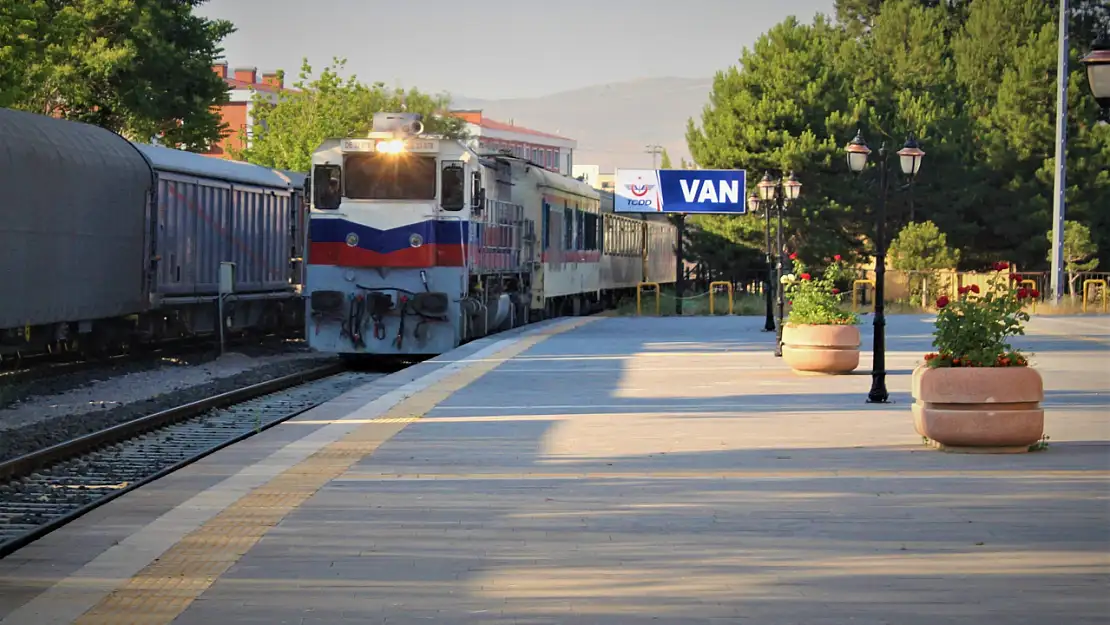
613	123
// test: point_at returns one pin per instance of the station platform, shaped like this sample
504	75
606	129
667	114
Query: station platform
612	470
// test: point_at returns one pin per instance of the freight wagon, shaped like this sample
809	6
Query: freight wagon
105	242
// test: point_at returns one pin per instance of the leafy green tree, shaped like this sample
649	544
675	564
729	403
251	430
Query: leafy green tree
783	109
142	68
921	248
973	81
1080	251
1006	61
288	132
665	160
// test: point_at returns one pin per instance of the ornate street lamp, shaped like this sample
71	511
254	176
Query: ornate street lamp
1098	74
777	194
910	157
754	203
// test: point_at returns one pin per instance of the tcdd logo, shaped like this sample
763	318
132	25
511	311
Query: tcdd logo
640	190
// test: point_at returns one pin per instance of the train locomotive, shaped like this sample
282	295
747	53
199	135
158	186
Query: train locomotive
106	243
419	243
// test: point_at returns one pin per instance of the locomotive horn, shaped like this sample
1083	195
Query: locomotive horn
408	123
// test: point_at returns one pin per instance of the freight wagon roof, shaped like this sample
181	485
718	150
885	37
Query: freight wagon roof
298	177
189	163
57	150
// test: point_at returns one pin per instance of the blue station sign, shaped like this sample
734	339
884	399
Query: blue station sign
680	191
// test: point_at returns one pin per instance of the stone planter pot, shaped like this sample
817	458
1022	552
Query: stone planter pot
828	349
979	409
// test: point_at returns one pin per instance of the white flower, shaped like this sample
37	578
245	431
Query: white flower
788	279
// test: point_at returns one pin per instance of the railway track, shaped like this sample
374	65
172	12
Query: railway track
28	369
45	490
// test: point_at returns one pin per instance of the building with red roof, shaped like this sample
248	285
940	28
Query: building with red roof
550	151
242	83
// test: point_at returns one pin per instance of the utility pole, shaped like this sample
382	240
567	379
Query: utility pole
1060	184
655	151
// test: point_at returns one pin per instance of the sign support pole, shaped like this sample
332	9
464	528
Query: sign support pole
679	281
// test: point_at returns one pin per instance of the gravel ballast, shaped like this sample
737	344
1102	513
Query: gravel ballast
41	420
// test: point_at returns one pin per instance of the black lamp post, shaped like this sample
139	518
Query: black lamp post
1098	74
777	194
768	284
910	157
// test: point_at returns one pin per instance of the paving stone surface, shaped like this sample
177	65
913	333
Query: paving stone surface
673	471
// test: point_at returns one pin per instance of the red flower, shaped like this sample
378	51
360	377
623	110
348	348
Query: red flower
1016	277
1023	293
837	258
794	256
963	289
1035	293
974	288
835	291
806	276
1001	266
942	301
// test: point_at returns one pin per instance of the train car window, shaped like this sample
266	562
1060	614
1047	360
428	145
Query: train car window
380	176
568	227
546	226
452	186
583	237
327	185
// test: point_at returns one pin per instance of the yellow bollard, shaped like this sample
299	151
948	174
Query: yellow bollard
712	292
639	293
1087	283
855	300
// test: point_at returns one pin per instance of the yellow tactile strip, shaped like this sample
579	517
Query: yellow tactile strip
166	587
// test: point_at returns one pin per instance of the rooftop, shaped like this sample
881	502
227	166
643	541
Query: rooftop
476	117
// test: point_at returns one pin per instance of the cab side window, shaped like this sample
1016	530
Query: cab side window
453	186
327	187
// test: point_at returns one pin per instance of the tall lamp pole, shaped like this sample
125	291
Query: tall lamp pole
779	193
910	156
1098	77
768	285
1059	185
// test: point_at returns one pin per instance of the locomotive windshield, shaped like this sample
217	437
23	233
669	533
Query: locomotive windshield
378	176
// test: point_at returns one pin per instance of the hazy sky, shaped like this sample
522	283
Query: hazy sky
501	48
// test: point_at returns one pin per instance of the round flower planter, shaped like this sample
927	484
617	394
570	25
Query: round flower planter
827	349
979	409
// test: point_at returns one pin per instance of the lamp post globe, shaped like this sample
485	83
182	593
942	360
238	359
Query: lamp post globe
857	152
766	187
793	187
1098	73
911	156
753	203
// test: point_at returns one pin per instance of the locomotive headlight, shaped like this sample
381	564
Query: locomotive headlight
393	146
